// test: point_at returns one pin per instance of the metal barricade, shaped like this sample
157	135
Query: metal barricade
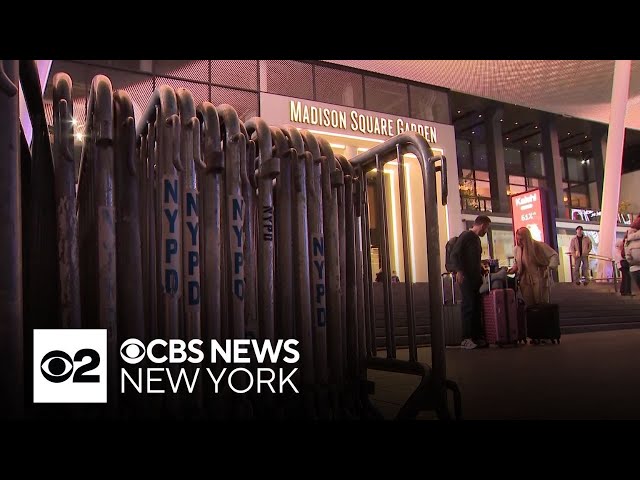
11	251
197	226
96	225
65	192
160	125
432	391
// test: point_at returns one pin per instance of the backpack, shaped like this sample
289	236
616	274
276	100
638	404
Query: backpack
449	263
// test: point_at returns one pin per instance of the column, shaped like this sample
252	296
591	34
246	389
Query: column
552	163
598	148
613	162
495	154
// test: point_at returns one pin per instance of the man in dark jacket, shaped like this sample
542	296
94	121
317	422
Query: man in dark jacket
466	255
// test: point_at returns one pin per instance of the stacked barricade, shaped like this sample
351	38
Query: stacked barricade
194	225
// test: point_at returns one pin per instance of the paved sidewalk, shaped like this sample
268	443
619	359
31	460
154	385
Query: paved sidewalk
588	376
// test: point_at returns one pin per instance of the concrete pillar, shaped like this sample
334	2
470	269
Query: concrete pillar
552	163
613	159
598	149
495	154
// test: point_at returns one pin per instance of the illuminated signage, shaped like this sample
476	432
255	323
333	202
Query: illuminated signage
594	216
527	211
356	121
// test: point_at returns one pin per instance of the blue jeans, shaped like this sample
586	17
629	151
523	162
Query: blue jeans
584	260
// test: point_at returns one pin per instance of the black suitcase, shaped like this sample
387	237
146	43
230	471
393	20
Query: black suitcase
451	315
543	322
543	319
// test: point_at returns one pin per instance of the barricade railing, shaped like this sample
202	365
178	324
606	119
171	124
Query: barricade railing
432	391
601	258
194	225
97	225
12	147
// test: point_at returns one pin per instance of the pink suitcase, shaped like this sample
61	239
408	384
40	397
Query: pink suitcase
500	311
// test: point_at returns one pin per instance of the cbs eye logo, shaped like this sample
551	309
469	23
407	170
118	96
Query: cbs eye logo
70	366
132	351
57	366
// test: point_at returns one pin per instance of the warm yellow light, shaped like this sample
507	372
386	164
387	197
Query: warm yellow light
338	146
74	121
79	136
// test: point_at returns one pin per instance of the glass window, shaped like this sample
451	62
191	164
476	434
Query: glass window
467	187
480	175
386	96
512	161
514	189
483	189
575	171
463	151
516	180
533	164
480	159
235	73
484	241
338	87
286	77
428	104
580	196
502	245
536	182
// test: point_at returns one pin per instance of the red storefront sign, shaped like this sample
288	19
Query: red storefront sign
528	211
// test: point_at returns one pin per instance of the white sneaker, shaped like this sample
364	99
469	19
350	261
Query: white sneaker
468	344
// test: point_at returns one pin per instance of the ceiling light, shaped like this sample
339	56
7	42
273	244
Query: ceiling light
500	119
538	144
526	141
507	138
473	133
74	122
536	126
516	123
78	136
568	133
458	111
480	116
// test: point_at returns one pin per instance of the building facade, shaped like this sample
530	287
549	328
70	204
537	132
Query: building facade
494	150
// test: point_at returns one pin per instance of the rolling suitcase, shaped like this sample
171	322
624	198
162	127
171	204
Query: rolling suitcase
451	315
500	312
543	320
512	282
522	320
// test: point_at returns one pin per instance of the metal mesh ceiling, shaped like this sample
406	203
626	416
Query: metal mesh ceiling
578	88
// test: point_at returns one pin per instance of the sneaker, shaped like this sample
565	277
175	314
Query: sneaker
468	344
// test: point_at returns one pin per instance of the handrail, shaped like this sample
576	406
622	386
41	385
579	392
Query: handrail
602	258
596	256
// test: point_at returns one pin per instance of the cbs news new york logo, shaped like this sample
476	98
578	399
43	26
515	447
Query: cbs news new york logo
70	366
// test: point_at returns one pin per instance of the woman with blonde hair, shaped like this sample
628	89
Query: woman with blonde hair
532	262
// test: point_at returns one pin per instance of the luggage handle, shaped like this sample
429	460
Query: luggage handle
453	288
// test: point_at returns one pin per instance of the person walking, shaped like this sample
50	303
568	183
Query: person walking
580	248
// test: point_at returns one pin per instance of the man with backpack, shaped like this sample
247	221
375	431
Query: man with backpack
464	258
